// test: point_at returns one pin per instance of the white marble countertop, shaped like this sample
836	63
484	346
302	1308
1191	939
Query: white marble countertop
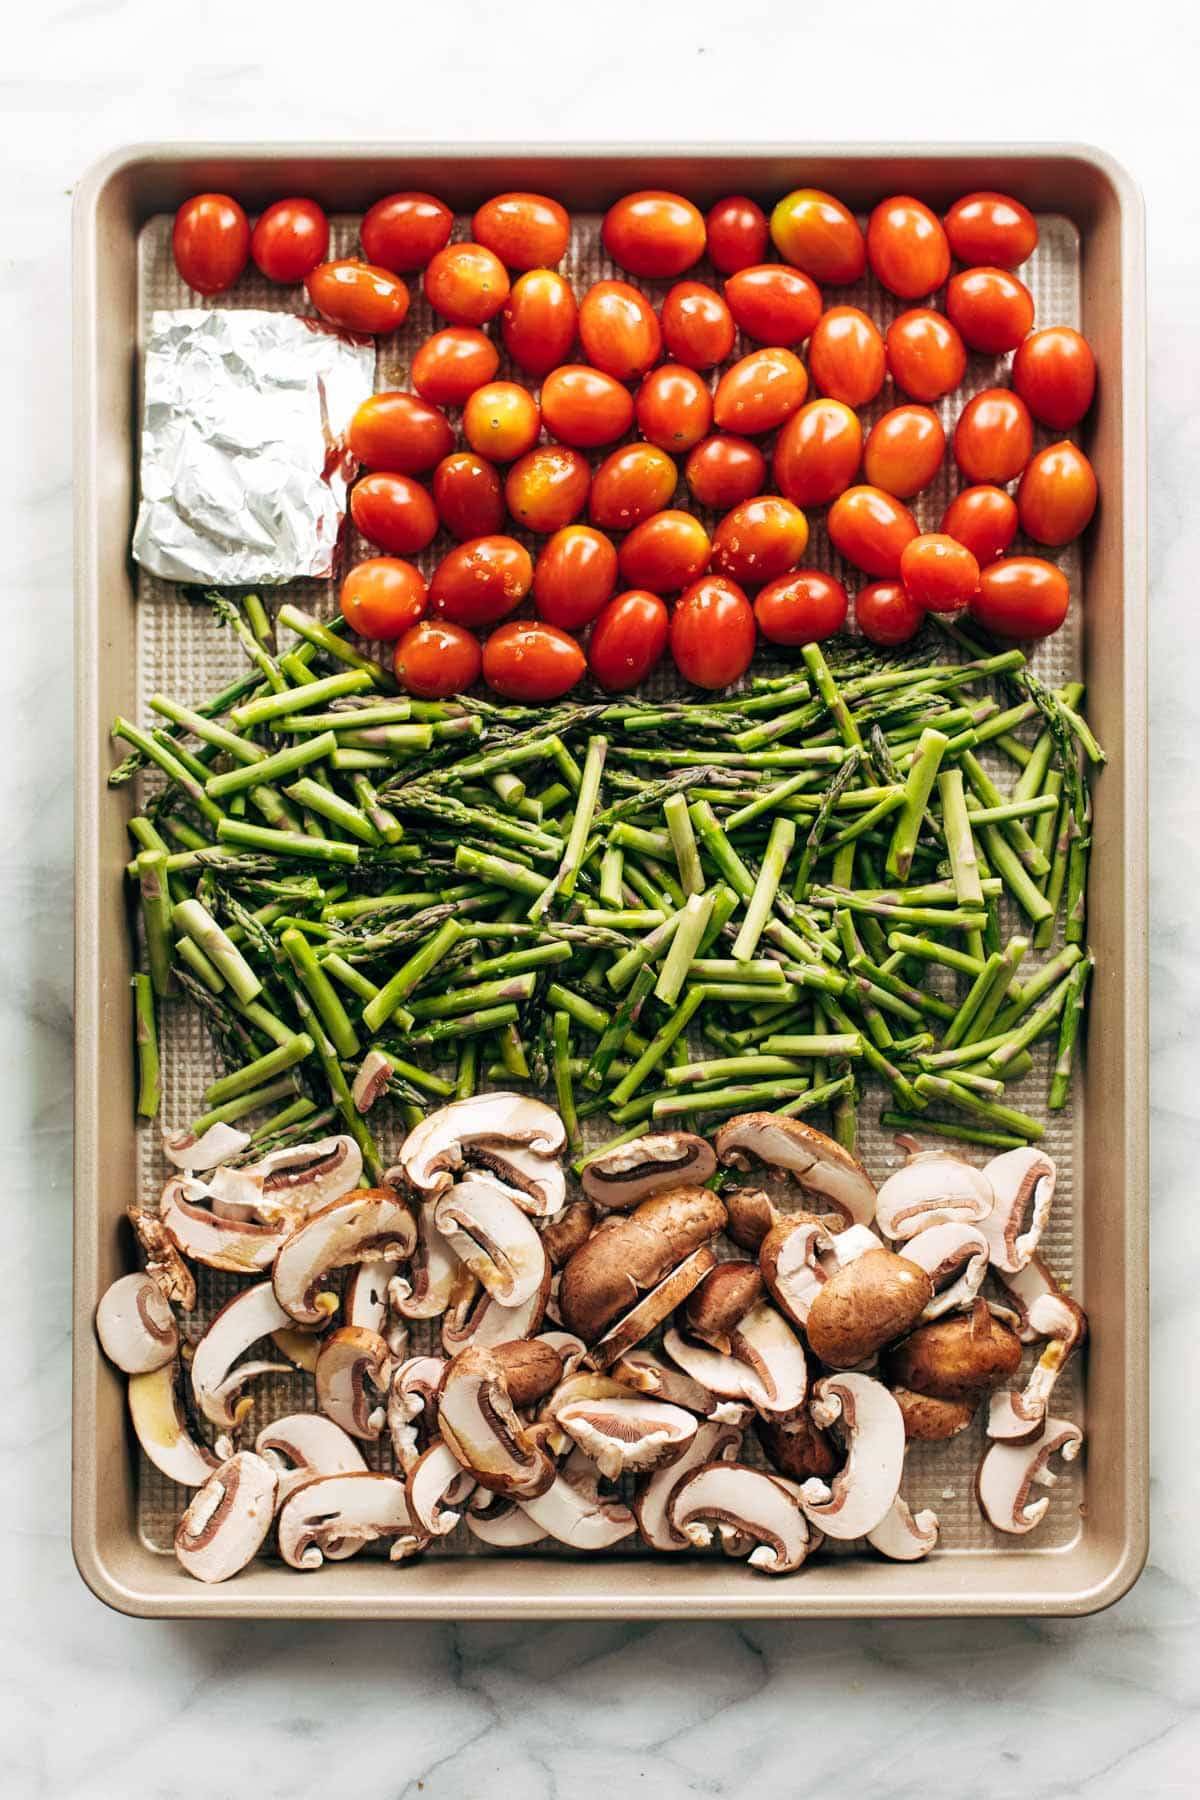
101	1706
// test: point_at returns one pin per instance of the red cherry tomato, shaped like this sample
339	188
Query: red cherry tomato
539	321
724	469
818	452
382	597
991	228
466	283
630	485
1054	372
697	326
674	407
530	662
907	247
289	239
712	633
801	608
468	496
574	576
394	512
1057	495
938	572
760	391
628	640
501	421
1021	597
993	439
870	529
904	450
984	519
846	356
665	552
925	355
991	309
548	487
450	365
585	407
211	242
402	231
357	296
816	233
399	432
886	614
481	581
737	234
759	540
435	660
773	303
526	231
619	329
653	233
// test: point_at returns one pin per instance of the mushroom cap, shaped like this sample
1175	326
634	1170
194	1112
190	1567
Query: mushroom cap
929	1420
713	1441
634	1253
136	1326
649	1372
354	1373
478	1130
477	1419
630	1173
571	1349
531	1367
1023	1183
748	1504
790	1260
158	1418
651	1309
372	1081
573	1510
477	1318
227	1520
216	1145
717	1306
238	1245
870	1302
933	1188
766	1366
904	1536
164	1264
955	1258
797	1449
1023	1288
1008	1471
485	1229
288	1184
819	1163
432	1270
860	1495
434	1476
412	1406
504	1524
303	1446
372	1297
629	1432
569	1232
959	1358
252	1314
752	1213
336	1515
364	1225
1019	1418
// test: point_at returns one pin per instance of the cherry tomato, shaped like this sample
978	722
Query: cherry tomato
481	581
907	247
289	239
818	452
816	233
993	439
1021	597
984	519
697	326
665	552
526	231
904	450
450	365
846	356
631	484
773	303
435	660
211	242
870	529
991	228
801	608
394	512
539	321
399	432
712	633
1054	372
382	597
991	309
619	329
402	231
357	296
466	283
724	469
1057	495
501	421
925	355
548	487
468	496
938	572
585	407
885	614
628	640
530	662
737	233
653	233
760	391
574	576
674	407
759	540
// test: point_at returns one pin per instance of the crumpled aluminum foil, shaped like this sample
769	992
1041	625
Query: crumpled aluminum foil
244	461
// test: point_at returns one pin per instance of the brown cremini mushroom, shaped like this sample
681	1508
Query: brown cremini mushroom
516	1137
474	1317
959	1358
717	1306
227	1520
286	1185
955	1258
161	1424
369	1223
484	1227
633	1254
933	1188
429	1287
628	1433
531	1368
354	1373
569	1232
194	1154
412	1406
799	1255
713	1441
752	1213
164	1264
870	1302
651	1309
932	1421
623	1177
303	1446
1008	1471
797	1448
371	1299
241	1322
237	1245
1018	1418
477	1419
436	1485
575	1512
905	1536
136	1326
337	1515
820	1164
748	1507
860	1495
766	1366
1023	1184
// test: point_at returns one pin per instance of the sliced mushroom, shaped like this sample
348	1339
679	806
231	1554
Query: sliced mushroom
958	1358
531	1368
569	1232
303	1446
859	1497
371	1292
433	1478
871	1301
746	1504
336	1515
632	1172
479	1422
216	1145
354	1373
487	1231
372	1081
412	1406
574	1511
651	1309
628	1433
300	1347
905	1536
477	1319
796	1448
766	1366
571	1349
239	1245
1023	1288
930	1420
369	1223
632	1254
480	1130
136	1326
216	1384
161	1424
164	1264
1023	1183
1019	1418
955	1258
820	1164
790	1259
291	1183
718	1305
432	1272
933	1188
227	1521
1008	1471
712	1442
752	1213
644	1369
504	1524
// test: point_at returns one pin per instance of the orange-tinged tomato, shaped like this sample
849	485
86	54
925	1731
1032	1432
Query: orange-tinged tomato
1054	372
1021	597
466	283
574	576
712	633
904	450
993	439
450	365
886	614
991	309
846	356
818	452
585	407
548	487
938	572
382	597
357	296
526	231
630	485
697	326
1057	495
211	242
801	608
816	233
724	469
773	303
434	660
925	355
539	321
984	519
665	552
907	247
402	231
653	233
481	581
394	512
628	640
501	421
760	391
619	329
531	662
289	239
400	433
674	407
468	496
759	540
991	228
870	529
